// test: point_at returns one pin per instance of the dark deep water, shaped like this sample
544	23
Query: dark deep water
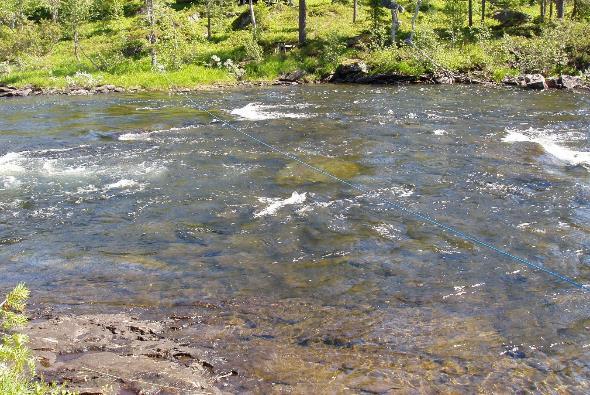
145	201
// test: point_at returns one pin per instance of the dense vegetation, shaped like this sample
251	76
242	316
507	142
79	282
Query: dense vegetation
153	43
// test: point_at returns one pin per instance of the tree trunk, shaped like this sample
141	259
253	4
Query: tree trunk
394	23
542	4
252	16
560	8
355	10
209	20
483	10
302	22
76	43
550	9
470	6
152	37
414	17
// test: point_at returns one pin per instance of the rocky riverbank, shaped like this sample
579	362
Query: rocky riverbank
123	353
352	72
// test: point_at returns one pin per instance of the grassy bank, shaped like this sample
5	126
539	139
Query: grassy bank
115	50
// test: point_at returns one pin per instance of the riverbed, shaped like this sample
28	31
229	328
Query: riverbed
145	201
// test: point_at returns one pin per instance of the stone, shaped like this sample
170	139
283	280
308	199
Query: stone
534	81
569	81
293	76
444	79
242	21
350	71
509	18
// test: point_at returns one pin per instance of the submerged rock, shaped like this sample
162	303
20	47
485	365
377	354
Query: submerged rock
295	173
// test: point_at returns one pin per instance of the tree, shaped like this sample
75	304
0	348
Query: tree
560	8
53	6
302	22
252	16
355	10
414	17
73	14
470	13
151	19
13	12
483	11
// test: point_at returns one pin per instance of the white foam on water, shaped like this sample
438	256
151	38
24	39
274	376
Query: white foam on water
276	204
10	182
123	184
12	163
147	136
135	137
260	112
439	132
549	142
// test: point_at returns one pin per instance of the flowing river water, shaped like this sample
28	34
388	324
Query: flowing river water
143	200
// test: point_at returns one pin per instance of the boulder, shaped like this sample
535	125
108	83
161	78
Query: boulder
569	81
293	76
534	81
444	79
509	18
242	21
9	91
350	71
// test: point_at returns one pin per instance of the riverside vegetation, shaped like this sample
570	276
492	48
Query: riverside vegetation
17	364
153	44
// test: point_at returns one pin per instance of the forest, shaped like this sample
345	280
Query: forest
157	44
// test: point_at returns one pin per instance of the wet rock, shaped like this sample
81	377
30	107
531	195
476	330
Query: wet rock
294	76
533	81
9	91
296	174
444	79
92	352
350	71
569	82
386	79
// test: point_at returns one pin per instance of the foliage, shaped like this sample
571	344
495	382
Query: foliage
112	41
17	365
455	11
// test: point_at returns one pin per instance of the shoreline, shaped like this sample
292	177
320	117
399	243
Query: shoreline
352	73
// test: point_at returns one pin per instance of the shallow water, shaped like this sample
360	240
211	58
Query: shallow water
146	201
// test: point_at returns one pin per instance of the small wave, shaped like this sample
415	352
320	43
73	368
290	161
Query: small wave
10	182
123	184
147	135
549	144
439	132
260	112
296	198
11	164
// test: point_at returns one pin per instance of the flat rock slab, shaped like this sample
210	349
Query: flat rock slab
118	353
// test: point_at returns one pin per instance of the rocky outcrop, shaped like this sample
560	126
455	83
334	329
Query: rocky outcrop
294	76
528	81
565	82
351	71
9	91
90	353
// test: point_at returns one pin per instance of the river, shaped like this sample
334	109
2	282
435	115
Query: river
144	200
